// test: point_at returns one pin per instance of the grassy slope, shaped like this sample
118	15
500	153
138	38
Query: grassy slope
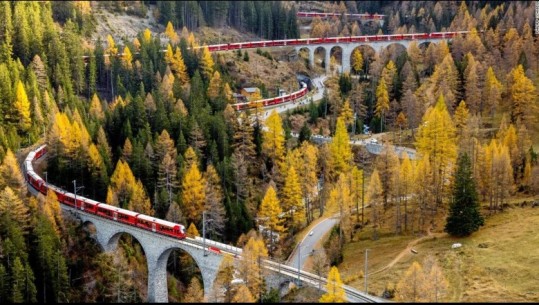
505	271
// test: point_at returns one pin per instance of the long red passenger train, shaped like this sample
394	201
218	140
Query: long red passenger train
274	100
98	208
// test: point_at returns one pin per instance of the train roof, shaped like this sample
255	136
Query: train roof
30	156
90	200
117	209
158	221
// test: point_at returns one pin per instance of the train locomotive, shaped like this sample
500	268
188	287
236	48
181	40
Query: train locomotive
95	207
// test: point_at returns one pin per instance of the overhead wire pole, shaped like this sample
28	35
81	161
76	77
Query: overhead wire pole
75	191
204	233
366	268
299	263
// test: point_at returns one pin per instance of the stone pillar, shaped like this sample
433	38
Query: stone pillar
157	277
209	265
346	54
327	60
311	57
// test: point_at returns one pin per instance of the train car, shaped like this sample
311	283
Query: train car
65	197
40	152
89	205
160	226
117	214
217	47
36	182
234	46
330	40
437	35
359	39
304	40
316	40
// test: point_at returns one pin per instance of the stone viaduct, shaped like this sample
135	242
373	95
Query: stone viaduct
348	47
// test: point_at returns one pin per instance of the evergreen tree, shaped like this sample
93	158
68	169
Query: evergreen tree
464	215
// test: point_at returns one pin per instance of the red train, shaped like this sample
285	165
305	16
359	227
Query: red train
274	100
304	41
326	15
98	208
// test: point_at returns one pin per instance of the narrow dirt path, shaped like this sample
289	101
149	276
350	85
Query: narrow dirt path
408	249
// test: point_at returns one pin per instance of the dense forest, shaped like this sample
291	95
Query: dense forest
154	132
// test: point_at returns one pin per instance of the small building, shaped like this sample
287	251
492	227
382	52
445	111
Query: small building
249	92
239	98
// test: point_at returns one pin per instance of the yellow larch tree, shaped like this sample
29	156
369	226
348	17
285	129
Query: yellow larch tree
147	36
178	66
492	92
382	102
461	118
139	200
502	175
412	286
269	214
206	63
341	151
228	94
388	75
249	266
424	190
214	88
190	157
127	150
508	136
22	106
334	288
332	206
171	33
136	44
346	113
11	206
472	86
273	145
243	295
344	206
191	41
96	108
357	190
195	292
127	192
437	138
96	166
169	55
522	97
192	230
127	58
54	211
374	197
435	281
406	182
112	50
11	174
307	171
193	195
292	200
222	286
357	60
387	164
